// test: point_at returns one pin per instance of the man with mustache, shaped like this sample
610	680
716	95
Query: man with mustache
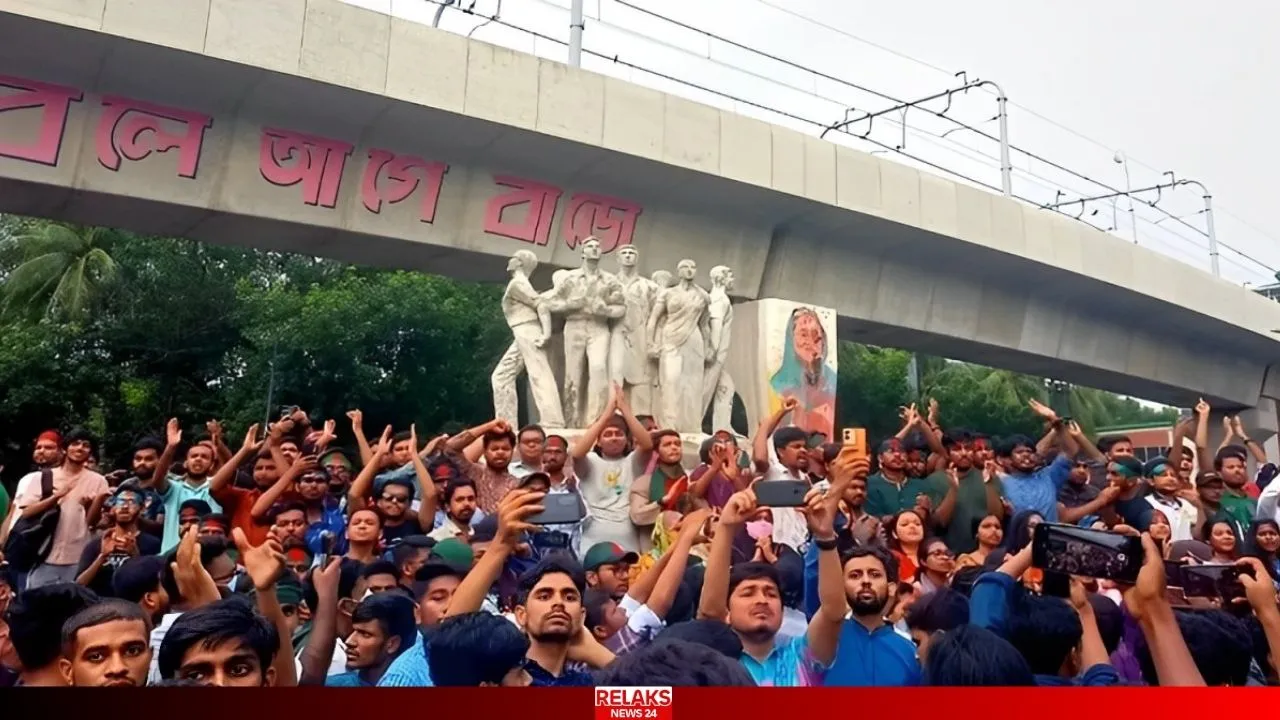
107	645
749	596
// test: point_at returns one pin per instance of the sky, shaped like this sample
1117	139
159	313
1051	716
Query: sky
1175	85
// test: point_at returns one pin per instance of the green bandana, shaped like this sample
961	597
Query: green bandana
1123	471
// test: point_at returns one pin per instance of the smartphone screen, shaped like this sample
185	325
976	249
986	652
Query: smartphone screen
1089	553
1213	581
781	493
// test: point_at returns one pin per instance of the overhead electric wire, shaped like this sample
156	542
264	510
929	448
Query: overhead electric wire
967	151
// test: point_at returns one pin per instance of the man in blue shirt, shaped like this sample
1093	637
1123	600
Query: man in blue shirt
1025	486
433	589
382	629
748	593
871	653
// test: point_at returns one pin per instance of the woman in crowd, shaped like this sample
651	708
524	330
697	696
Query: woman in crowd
1161	531
990	534
906	534
937	563
1264	543
1222	540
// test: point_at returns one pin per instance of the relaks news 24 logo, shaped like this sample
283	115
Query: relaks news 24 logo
633	703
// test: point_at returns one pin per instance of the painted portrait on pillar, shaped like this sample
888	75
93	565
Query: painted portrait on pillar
805	369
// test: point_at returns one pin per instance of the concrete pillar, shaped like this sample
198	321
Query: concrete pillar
785	349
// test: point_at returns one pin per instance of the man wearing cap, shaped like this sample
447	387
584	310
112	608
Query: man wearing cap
608	567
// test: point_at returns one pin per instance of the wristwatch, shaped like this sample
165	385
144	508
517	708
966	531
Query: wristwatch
825	544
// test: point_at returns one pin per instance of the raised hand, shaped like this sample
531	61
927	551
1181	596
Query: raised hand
1202	407
251	442
933	411
740	508
1237	427
194	582
173	432
214	428
820	513
265	563
514	511
990	471
953	478
790	404
328	434
413	438
1073	428
384	442
325	579
357	418
1259	591
865	529
1149	590
501	427
1043	410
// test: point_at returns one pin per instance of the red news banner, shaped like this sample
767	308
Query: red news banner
633	703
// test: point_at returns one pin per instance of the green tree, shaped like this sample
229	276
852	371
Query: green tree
63	271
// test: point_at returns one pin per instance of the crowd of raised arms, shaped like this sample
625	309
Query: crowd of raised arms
399	562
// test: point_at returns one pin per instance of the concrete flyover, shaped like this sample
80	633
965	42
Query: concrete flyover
318	127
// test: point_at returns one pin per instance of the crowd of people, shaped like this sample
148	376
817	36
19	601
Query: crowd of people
397	562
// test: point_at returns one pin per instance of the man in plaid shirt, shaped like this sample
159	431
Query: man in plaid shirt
628	623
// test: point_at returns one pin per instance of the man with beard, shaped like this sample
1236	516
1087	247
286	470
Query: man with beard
493	478
174	490
460	510
659	490
976	495
382	628
871	652
548	603
749	595
103	555
892	489
143	463
79	494
106	645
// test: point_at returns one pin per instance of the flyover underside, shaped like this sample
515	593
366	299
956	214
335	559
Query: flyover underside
452	194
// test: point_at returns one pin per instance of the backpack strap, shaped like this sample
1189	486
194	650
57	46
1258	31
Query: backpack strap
46	484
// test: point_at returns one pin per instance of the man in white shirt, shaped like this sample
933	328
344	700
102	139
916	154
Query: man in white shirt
78	493
460	509
529	443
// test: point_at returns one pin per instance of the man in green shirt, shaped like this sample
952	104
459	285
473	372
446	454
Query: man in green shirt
964	503
1230	464
892	490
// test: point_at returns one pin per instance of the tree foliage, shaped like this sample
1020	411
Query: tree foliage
196	331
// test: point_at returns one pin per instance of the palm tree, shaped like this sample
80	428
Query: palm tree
63	271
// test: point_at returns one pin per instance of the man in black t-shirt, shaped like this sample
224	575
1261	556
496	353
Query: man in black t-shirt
123	540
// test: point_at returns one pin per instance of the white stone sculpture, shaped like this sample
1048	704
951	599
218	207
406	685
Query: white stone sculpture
530	323
589	298
681	349
629	363
717	385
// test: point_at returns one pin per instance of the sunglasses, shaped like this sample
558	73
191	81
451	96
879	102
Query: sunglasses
397	499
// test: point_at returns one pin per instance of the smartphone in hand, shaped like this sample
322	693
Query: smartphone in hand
1074	550
781	493
856	438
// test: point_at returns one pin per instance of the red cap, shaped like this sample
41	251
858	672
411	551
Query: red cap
53	435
